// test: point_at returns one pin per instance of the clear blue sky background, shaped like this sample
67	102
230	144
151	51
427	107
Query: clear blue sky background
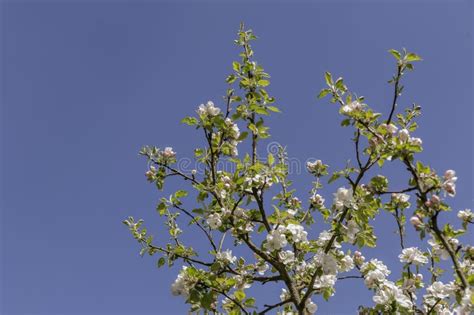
85	85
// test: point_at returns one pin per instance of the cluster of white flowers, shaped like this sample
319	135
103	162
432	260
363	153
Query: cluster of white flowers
327	262
214	221
400	198
287	257
234	134
466	306
438	249
226	257
208	109
375	273
436	292
325	281
256	181
449	184
358	259
298	234
466	215
183	283
316	168
388	292
413	255
276	239
168	153
404	136
317	201
351	107
352	229
390	128
440	290
342	198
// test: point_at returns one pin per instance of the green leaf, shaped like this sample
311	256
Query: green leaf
412	57
239	295
181	193
346	122
270	159
249	302
395	53
324	92
236	66
273	109
263	82
191	121
161	262
328	77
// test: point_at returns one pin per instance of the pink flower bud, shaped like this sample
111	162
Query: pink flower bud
415	221
449	174
435	200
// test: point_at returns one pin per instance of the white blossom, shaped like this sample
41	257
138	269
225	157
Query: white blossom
298	234
440	290
182	284
400	197
466	215
226	257
168	153
416	141
403	135
214	221
413	255
342	198
375	272
317	200
466	306
449	184
352	230
208	109
438	250
326	261
389	292
351	107
276	239
325	281
287	257
347	263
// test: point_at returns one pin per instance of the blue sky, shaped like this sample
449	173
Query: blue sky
86	84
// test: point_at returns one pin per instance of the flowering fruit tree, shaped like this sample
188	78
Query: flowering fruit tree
252	209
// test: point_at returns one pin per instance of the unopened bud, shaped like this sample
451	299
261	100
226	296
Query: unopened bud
415	221
435	200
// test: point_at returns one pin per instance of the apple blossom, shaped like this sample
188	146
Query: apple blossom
208	109
238	214
403	135
342	198
466	215
276	239
226	257
413	255
214	221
